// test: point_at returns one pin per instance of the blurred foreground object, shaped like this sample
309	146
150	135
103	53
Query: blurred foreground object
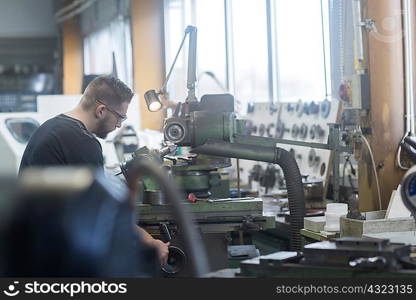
71	222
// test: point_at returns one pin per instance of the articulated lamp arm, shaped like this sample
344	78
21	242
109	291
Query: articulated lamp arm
152	97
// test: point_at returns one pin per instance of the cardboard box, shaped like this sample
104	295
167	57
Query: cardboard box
315	224
374	223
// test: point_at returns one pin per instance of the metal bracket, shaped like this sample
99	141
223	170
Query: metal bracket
248	224
369	24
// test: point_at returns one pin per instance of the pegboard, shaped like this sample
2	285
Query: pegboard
301	121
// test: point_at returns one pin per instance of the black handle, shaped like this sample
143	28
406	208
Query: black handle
165	230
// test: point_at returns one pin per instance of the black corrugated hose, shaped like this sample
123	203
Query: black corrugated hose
139	168
295	195
274	155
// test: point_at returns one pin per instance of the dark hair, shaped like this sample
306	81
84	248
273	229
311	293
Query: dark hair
107	89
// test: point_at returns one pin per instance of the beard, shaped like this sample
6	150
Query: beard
101	135
102	130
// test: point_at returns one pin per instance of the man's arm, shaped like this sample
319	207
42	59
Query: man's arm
161	247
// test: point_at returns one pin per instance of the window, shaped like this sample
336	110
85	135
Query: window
302	67
258	50
99	47
249	54
211	49
174	30
22	128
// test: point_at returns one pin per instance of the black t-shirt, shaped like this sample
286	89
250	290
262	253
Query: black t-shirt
62	140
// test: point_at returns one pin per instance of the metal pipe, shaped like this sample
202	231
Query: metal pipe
235	150
238	179
140	168
163	88
75	12
270	40
229	68
272	142
409	66
358	36
191	63
67	8
274	155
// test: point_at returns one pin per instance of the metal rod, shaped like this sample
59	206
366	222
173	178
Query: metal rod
162	90
324	49
334	131
409	65
270	51
191	64
358	36
229	199
333	145
269	142
229	44
238	179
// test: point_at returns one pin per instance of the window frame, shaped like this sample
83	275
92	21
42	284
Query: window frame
274	85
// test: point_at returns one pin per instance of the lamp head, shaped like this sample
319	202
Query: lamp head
152	100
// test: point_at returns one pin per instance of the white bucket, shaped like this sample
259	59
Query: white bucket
333	213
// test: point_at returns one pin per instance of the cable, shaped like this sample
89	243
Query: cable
238	179
75	12
174	62
409	65
67	8
353	172
374	168
398	155
343	170
342	29
324	50
351	182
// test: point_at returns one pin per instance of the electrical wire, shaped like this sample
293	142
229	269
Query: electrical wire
342	29
398	155
324	51
343	170
374	168
353	172
348	161
75	12
351	182
409	65
174	62
67	8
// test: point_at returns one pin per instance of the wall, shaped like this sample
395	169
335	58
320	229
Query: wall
28	43
386	119
72	57
148	55
27	18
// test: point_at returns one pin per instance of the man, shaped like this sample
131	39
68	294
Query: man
68	139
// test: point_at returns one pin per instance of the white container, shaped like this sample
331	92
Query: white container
337	208
333	213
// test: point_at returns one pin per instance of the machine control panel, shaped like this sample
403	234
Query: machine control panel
18	103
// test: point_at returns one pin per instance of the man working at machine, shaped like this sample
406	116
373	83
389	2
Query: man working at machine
68	139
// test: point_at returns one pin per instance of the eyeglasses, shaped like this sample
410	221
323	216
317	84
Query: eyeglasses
120	117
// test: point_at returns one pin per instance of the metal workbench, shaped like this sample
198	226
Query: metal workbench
215	220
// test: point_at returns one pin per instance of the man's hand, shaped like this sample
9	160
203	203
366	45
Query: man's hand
160	247
162	250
